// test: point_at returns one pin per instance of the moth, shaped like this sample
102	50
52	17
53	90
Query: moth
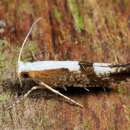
74	73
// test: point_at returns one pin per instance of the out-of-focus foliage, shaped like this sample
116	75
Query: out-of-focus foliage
91	30
57	14
78	19
84	29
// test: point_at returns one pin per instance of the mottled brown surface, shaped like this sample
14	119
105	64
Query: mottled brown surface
105	26
102	111
105	37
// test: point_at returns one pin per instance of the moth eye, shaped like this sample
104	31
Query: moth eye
25	75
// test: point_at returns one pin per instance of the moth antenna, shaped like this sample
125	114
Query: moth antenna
21	49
